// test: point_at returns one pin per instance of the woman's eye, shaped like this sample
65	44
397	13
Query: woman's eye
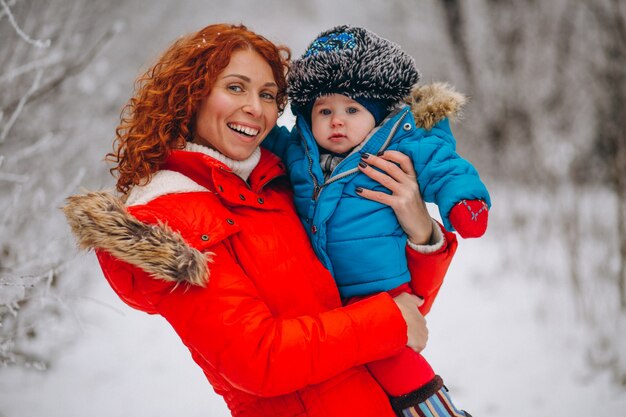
268	96
235	87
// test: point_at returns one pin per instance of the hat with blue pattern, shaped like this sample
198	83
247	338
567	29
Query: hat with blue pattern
354	62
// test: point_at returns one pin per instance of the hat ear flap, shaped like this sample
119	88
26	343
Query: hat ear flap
378	108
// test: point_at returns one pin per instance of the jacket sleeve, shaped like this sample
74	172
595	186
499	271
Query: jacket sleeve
429	269
445	178
228	324
277	141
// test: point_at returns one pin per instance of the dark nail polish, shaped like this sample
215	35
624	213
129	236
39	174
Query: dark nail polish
359	190
380	153
362	164
365	155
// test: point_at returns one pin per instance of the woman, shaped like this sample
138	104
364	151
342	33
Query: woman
265	323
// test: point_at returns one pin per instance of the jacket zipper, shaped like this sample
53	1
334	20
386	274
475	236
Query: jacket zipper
317	188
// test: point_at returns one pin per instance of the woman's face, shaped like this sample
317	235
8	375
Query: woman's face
241	108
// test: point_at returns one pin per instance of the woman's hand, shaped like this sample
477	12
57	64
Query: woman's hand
398	175
417	332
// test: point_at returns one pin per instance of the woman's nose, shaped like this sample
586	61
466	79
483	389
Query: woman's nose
252	106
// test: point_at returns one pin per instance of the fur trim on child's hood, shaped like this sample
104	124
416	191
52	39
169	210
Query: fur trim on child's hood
432	103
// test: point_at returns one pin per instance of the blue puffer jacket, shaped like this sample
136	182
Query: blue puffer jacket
358	240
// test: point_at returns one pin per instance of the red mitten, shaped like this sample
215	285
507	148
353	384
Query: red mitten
469	218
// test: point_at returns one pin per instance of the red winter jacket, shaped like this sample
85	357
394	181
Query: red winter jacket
267	328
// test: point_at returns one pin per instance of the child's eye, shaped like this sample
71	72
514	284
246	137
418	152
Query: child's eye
352	110
325	112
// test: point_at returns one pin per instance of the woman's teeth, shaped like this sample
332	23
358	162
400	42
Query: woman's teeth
248	131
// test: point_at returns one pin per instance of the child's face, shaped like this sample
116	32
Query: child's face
340	123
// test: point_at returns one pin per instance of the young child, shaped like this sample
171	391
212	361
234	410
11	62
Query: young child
347	92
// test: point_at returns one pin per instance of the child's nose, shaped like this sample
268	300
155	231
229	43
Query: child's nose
336	121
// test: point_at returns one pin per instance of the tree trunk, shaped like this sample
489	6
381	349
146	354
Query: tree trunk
620	185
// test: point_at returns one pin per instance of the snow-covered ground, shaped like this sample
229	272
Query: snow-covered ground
505	346
510	346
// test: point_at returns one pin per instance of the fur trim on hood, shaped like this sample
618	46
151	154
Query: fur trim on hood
100	220
434	102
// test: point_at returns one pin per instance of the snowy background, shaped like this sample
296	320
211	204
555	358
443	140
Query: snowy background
532	318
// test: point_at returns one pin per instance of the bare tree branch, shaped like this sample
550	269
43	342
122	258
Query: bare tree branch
46	62
20	105
71	70
3	13
38	43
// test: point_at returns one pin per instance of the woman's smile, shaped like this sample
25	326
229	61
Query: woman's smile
246	131
241	108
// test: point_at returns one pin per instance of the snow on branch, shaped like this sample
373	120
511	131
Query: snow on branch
3	12
20	104
35	315
71	70
53	59
35	42
17	293
42	145
10	177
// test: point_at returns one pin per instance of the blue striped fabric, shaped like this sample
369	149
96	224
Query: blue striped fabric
438	405
446	398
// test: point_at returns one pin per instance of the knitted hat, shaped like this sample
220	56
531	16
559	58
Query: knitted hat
354	62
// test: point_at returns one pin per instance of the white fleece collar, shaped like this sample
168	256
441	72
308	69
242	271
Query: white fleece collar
171	182
241	168
163	182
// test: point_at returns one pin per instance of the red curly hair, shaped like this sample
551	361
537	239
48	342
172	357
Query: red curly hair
161	115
